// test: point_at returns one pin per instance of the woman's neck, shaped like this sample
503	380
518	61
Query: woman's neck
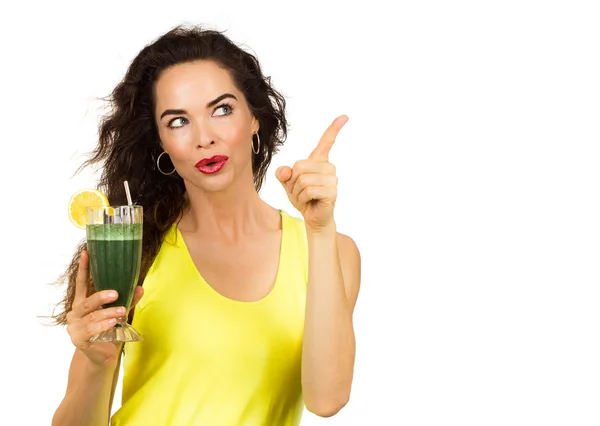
231	214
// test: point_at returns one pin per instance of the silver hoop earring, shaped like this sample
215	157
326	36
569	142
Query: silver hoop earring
158	164
257	150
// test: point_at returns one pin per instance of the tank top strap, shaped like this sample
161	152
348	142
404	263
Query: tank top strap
298	244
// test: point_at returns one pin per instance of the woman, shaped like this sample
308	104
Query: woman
246	311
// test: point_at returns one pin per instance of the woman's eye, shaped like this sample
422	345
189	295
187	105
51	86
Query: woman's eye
177	122
223	110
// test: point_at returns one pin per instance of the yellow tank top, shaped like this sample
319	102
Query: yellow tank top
212	361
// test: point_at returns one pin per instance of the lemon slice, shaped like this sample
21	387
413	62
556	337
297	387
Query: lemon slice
80	201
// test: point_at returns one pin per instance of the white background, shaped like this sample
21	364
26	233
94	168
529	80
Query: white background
469	177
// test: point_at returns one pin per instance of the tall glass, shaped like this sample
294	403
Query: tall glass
114	243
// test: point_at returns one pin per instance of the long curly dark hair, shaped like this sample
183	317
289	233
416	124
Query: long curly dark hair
129	145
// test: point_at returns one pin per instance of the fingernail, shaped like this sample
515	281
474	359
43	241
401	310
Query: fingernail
121	310
112	294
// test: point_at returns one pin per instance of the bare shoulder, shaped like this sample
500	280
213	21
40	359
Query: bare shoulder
350	262
348	246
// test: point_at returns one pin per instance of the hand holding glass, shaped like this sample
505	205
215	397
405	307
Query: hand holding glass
114	243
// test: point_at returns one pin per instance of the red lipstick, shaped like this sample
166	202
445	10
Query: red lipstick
211	165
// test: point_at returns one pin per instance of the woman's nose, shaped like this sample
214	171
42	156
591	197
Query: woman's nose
204	136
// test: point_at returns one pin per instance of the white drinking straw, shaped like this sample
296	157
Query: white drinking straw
128	193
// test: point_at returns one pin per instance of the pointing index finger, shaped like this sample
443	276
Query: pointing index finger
321	152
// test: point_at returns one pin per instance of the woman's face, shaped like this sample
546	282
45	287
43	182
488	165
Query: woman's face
204	124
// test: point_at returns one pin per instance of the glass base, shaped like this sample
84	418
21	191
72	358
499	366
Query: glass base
121	332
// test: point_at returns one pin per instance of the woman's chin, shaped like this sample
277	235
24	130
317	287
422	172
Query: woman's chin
217	182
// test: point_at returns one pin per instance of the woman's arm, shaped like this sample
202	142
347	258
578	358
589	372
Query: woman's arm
333	279
329	344
89	394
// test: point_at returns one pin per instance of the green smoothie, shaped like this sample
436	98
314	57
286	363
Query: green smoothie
115	252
